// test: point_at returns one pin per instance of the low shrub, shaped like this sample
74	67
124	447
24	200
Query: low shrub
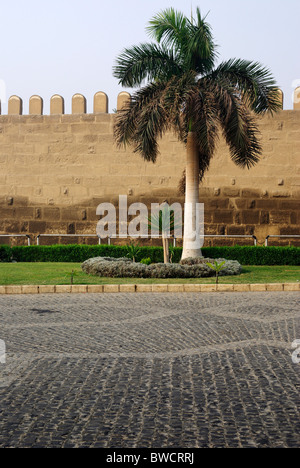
126	268
146	261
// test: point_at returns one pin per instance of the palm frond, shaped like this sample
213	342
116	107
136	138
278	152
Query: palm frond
203	112
253	81
202	50
169	27
193	43
241	134
142	121
237	122
151	125
145	62
127	118
175	102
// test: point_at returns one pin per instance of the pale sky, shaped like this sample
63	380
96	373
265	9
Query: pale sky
69	46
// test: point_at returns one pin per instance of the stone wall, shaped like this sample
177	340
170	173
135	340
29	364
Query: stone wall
55	170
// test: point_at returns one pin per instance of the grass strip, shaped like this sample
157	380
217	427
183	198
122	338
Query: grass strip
60	273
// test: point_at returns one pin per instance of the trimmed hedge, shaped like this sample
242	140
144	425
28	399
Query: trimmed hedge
5	253
79	253
245	255
256	255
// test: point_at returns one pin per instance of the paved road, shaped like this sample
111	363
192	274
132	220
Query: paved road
150	370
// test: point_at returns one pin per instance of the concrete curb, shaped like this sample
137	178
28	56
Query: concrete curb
153	288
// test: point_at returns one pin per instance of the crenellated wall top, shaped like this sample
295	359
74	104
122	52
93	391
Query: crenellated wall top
79	103
57	104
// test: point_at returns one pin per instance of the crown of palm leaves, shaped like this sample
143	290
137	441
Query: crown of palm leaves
184	91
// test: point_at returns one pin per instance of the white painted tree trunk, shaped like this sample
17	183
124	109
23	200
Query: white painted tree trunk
191	245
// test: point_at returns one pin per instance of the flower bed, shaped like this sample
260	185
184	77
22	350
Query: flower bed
126	268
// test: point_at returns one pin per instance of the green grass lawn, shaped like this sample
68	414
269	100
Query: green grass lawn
60	273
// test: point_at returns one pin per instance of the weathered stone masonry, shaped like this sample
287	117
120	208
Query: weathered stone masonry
55	169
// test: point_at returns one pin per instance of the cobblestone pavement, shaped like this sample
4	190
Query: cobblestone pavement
150	370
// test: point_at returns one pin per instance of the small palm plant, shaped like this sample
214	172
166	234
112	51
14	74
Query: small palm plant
72	274
133	250
217	267
164	223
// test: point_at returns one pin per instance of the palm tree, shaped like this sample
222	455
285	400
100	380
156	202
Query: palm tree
183	90
164	222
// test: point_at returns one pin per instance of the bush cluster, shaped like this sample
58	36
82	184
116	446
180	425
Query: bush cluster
245	255
126	268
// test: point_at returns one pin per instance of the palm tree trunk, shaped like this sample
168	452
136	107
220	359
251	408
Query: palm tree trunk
165	241
191	246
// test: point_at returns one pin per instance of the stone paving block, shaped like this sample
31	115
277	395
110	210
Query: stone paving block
111	288
175	288
274	287
127	288
2	289
241	287
28	289
192	287
95	288
258	287
159	288
46	289
62	288
291	286
79	288
208	287
13	290
144	288
225	287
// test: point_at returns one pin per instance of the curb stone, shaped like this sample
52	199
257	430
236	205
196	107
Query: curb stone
154	288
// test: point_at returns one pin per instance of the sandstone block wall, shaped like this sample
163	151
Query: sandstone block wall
55	169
